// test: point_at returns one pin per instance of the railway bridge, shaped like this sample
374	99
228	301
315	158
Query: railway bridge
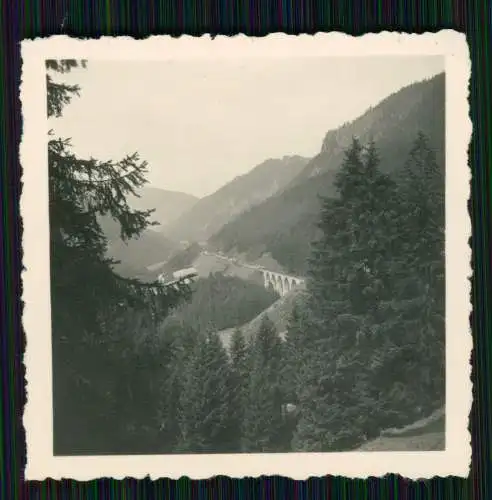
281	283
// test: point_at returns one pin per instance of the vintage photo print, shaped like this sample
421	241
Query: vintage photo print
246	256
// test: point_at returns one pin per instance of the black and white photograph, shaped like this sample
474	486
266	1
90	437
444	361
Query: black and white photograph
247	256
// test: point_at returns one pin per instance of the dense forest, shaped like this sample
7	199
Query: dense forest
102	323
363	353
140	368
219	302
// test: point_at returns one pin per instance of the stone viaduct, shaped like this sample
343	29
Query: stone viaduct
281	283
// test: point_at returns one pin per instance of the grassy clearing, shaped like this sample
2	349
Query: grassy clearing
427	434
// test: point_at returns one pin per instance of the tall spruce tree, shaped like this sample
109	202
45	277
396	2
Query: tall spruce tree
87	296
415	324
263	420
205	417
296	341
239	381
349	274
424	217
177	343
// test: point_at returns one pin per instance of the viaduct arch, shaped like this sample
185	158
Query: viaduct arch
281	283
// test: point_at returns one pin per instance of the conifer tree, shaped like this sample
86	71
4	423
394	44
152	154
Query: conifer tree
263	414
205	417
239	381
295	342
415	324
87	296
423	211
348	277
239	351
178	343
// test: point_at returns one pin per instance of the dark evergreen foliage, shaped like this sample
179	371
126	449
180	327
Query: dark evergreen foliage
346	277
177	346
221	302
135	371
376	331
205	411
240	373
415	317
263	412
91	348
296	342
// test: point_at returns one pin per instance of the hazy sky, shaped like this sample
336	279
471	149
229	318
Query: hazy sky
200	124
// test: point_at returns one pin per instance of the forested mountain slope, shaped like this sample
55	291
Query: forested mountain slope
138	253
279	313
151	246
219	302
209	214
283	225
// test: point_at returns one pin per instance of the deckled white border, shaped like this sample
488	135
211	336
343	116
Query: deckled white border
41	463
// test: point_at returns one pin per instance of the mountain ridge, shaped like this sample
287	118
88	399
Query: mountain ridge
168	205
377	123
152	246
138	253
284	224
210	213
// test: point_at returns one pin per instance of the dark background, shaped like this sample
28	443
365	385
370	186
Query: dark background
21	19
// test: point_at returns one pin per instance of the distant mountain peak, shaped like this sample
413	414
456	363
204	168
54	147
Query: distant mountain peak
212	212
168	205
